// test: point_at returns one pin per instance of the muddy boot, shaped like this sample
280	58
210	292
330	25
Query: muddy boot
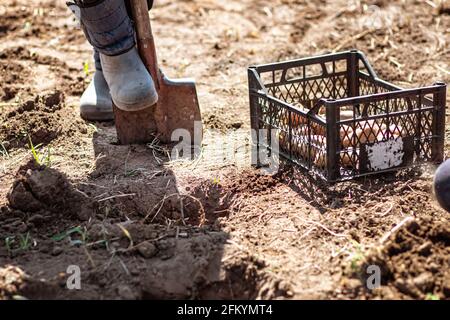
110	30
96	103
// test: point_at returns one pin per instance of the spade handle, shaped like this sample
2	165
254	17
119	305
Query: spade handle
145	40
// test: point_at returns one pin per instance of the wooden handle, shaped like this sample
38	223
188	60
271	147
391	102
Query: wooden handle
145	41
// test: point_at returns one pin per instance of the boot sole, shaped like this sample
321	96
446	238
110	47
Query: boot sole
97	116
150	102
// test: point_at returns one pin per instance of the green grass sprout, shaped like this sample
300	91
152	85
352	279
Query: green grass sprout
18	243
431	296
40	160
86	68
34	152
81	232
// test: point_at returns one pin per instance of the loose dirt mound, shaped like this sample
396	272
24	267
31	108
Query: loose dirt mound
22	53
13	21
13	75
166	266
18	64
45	229
251	183
45	190
138	261
414	262
43	119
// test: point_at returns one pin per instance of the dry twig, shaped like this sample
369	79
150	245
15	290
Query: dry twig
323	227
395	229
118	196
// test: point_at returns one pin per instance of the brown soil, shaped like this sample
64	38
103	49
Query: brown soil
13	74
142	226
414	261
153	261
41	120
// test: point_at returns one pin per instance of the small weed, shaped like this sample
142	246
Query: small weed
94	127
49	157
27	26
33	151
216	181
9	242
80	232
86	68
431	296
45	159
132	173
356	257
18	243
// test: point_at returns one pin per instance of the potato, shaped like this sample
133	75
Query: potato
284	142
301	130
302	149
368	131
321	160
317	129
322	112
346	134
365	135
396	130
345	114
376	125
317	142
346	160
299	142
394	134
296	119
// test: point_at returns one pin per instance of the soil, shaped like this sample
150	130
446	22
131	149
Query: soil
39	120
414	263
141	225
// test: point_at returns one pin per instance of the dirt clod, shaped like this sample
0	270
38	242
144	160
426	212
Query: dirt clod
414	261
41	120
45	189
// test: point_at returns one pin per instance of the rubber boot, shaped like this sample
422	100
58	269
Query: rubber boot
96	103
130	83
110	30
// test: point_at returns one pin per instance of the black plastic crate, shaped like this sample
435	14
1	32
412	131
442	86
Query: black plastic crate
335	117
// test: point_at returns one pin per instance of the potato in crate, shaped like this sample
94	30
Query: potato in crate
336	118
